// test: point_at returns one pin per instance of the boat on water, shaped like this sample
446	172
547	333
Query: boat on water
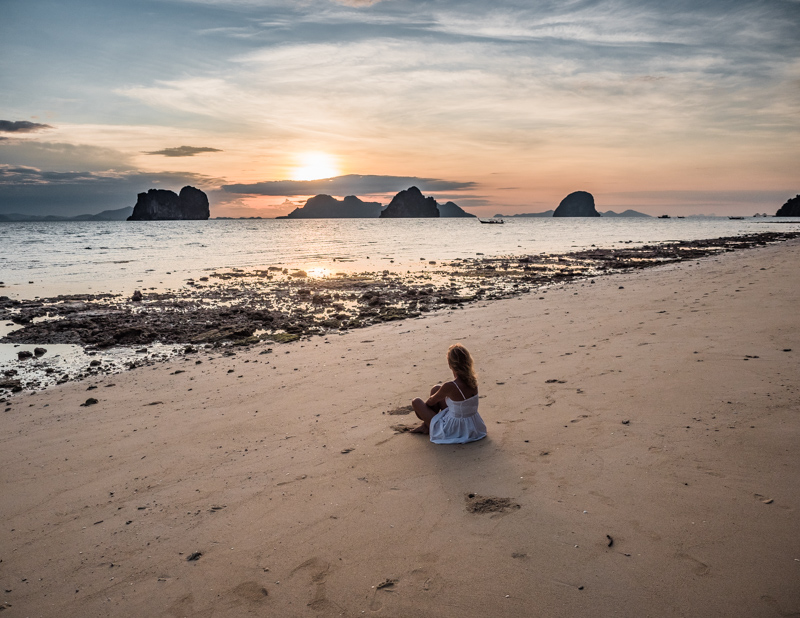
491	220
736	218
664	217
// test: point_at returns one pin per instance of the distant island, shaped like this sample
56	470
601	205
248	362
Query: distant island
624	213
408	203
451	209
326	207
549	213
164	205
546	213
120	214
577	204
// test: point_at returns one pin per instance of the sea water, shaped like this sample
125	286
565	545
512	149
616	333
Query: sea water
50	258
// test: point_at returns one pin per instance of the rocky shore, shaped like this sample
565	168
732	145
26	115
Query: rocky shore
241	308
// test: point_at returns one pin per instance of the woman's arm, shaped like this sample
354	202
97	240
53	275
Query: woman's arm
436	400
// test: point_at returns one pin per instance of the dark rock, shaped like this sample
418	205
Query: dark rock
327	207
410	203
451	209
10	384
577	204
137	296
164	205
89	402
790	209
24	354
39	351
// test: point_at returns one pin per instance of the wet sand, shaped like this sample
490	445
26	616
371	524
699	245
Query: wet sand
642	460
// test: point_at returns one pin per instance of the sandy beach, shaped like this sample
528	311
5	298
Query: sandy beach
643	459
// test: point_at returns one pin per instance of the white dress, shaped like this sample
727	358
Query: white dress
459	422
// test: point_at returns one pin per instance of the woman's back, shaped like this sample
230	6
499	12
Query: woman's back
459	422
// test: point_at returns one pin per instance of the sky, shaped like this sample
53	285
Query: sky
503	107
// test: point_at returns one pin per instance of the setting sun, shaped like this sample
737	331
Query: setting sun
315	165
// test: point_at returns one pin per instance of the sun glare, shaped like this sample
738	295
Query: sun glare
315	165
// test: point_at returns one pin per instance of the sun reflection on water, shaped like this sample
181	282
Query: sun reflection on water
319	272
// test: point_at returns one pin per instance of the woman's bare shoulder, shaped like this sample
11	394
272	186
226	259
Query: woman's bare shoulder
464	391
449	387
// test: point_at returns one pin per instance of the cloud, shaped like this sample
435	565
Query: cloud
351	184
61	157
22	126
358	3
22	175
28	190
183	151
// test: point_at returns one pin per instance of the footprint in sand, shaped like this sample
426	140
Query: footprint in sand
776	607
183	607
387	585
318	570
579	419
698	567
401	410
251	591
426	578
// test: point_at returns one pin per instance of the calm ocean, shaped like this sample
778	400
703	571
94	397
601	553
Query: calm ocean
43	259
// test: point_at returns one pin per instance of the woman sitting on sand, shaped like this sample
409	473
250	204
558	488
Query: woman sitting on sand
450	415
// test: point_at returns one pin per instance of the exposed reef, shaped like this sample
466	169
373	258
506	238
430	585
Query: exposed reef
235	307
235	304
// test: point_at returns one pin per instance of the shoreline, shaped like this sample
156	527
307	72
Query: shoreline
645	428
104	333
161	258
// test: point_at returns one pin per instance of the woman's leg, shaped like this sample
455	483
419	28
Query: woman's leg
424	413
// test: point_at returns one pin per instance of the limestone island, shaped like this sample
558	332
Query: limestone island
408	203
791	208
165	205
328	207
577	204
411	203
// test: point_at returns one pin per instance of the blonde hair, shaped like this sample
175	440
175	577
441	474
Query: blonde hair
460	361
